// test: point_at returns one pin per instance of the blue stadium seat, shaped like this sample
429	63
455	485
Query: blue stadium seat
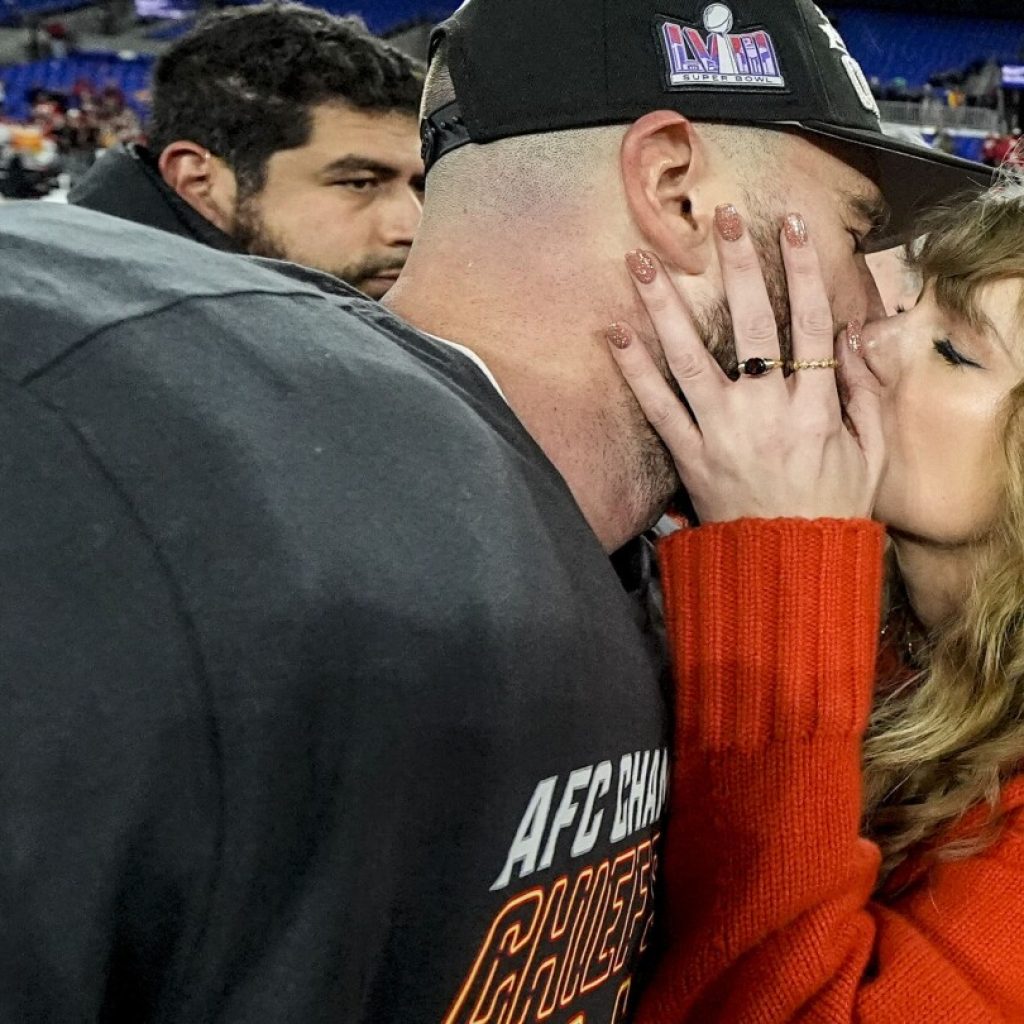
132	76
916	47
12	11
384	15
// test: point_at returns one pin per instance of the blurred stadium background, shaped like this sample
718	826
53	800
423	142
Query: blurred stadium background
74	73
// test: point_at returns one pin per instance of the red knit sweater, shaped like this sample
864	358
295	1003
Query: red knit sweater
768	909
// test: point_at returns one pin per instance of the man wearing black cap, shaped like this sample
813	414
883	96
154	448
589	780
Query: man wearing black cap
321	701
628	125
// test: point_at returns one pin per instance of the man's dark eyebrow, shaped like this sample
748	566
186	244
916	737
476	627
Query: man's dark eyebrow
871	210
354	163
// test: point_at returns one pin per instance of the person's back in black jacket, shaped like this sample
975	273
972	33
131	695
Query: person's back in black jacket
319	699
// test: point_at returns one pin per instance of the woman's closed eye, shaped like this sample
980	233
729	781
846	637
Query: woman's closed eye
948	352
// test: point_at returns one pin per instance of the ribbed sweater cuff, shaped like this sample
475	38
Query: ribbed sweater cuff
774	628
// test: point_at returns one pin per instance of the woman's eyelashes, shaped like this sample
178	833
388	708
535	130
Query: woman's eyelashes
945	349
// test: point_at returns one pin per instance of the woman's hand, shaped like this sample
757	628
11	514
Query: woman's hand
762	446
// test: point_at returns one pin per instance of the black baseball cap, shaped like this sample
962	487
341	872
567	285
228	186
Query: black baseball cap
520	67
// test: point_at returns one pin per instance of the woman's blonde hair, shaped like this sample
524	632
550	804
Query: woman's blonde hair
947	739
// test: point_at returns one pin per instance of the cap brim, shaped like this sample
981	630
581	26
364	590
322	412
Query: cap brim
911	178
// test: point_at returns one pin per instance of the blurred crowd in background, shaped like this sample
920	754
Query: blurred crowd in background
63	138
54	126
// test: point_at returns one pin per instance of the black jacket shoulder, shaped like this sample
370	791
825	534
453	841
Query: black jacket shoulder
126	183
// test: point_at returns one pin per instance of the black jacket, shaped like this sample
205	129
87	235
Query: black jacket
126	183
319	700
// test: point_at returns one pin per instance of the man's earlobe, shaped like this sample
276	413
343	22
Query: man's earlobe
663	168
200	179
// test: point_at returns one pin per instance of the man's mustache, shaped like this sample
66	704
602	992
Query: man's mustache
377	267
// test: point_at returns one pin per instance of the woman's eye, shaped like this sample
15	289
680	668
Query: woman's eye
952	356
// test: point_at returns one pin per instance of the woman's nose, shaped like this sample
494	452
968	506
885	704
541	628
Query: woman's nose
878	350
870	336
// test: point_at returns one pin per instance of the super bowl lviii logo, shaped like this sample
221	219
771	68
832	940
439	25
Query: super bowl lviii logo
718	56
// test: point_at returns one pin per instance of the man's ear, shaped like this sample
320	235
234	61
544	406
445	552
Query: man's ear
665	174
207	184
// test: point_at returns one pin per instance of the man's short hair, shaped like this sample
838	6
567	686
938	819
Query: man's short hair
244	82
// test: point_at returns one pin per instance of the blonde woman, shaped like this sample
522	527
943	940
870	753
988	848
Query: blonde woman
846	843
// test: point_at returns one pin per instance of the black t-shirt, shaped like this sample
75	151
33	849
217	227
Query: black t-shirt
319	700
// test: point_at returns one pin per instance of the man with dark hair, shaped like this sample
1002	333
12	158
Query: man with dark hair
280	131
320	700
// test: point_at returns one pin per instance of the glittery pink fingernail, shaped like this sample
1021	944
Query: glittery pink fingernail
642	266
729	222
853	336
618	336
796	231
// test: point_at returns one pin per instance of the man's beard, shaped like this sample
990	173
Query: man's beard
658	478
252	235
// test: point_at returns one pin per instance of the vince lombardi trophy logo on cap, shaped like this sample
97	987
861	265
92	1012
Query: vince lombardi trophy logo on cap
718	21
721	57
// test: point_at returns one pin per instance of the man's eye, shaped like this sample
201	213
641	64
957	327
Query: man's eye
945	349
357	184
